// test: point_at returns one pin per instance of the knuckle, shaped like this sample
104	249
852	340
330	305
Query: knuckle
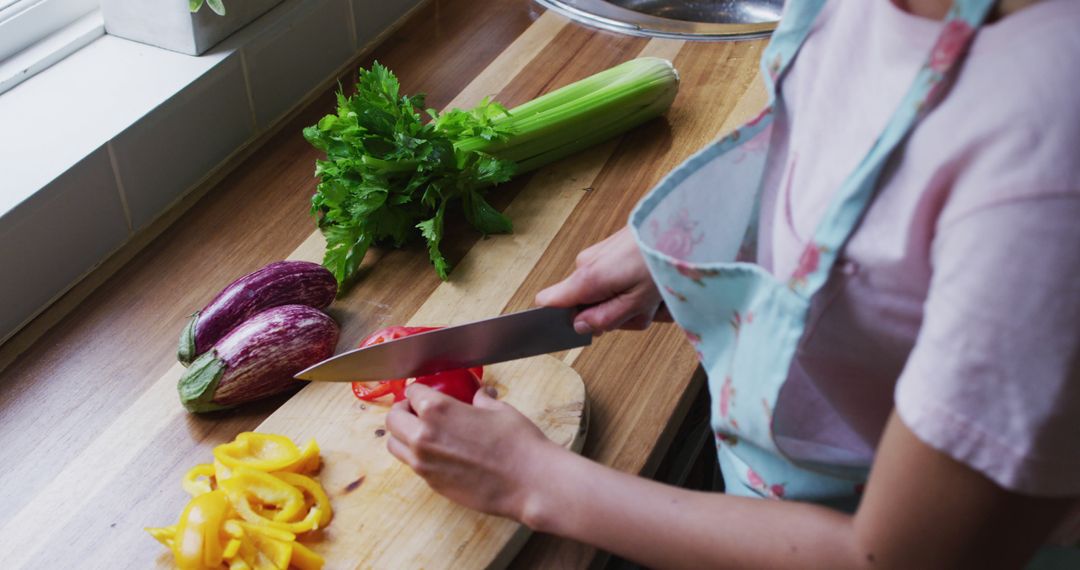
425	436
438	406
422	468
588	277
585	257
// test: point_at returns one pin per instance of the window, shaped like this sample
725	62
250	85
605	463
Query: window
37	33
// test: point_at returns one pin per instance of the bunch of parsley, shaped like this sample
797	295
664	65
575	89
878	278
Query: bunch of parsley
390	174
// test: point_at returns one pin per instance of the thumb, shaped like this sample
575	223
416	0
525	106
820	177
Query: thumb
484	398
562	294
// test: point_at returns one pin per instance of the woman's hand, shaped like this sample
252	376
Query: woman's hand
611	276
485	456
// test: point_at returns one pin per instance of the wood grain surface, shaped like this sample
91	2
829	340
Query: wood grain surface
88	461
385	516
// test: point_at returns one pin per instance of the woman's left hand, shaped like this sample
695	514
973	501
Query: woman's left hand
482	456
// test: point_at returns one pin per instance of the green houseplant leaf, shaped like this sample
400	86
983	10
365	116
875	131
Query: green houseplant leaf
216	5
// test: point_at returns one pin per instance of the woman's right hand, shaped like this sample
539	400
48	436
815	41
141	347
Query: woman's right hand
611	277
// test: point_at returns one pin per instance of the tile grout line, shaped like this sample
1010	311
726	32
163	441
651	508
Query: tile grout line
353	33
250	96
120	187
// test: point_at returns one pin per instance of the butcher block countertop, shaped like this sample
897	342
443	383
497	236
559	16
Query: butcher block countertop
91	454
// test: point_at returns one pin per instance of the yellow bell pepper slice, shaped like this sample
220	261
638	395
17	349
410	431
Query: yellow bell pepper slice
308	462
198	480
251	529
309	522
263	479
256	559
165	535
221	472
277	551
261	451
231	548
305	558
233	528
197	544
248	489
313	489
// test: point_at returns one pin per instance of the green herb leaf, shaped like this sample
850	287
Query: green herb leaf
485	218
432	230
391	170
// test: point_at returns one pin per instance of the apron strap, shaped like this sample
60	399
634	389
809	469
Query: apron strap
851	201
798	18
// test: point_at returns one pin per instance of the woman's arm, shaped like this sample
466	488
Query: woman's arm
921	509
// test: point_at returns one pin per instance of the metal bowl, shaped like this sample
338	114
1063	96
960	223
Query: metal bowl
681	19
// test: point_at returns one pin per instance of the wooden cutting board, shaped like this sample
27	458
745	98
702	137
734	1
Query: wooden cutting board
385	516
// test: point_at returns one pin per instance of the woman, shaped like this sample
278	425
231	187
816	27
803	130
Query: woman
900	365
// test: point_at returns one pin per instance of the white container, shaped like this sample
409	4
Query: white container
171	25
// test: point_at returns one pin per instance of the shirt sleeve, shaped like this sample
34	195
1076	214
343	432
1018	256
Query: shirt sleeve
994	377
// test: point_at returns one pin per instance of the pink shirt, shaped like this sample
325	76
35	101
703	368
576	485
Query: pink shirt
958	298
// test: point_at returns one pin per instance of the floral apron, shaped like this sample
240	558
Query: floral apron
696	225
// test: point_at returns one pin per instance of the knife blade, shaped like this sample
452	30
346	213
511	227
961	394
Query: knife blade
489	341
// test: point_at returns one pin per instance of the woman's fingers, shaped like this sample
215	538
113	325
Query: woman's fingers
612	277
485	401
582	287
403	424
479	455
562	294
630	310
428	402
637	323
402	452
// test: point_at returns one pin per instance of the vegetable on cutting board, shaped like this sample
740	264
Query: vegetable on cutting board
249	506
389	173
461	384
258	358
280	283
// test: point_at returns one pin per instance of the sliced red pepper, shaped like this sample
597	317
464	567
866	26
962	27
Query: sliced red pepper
371	391
460	384
365	391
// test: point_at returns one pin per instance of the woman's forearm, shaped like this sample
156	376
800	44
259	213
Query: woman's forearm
921	508
667	527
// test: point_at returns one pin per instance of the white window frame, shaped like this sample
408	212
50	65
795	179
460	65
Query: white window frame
34	34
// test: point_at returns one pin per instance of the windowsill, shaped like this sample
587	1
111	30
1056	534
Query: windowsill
101	144
50	50
61	115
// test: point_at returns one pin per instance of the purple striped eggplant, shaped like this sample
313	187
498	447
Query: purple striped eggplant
258	358
280	283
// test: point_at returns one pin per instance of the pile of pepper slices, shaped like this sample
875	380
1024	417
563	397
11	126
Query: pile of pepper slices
249	507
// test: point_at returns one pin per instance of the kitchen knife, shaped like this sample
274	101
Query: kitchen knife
498	339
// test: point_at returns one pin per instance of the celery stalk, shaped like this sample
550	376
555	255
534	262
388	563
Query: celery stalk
389	172
602	104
